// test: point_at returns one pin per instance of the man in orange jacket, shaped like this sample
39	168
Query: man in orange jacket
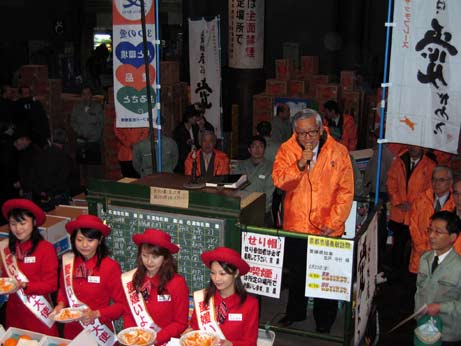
436	198
341	126
127	137
210	161
316	174
457	211
409	175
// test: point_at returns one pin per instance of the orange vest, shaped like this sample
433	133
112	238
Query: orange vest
398	189
221	163
331	182
349	132
127	138
420	214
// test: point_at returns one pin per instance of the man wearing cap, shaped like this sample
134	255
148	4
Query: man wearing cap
315	171
439	277
225	308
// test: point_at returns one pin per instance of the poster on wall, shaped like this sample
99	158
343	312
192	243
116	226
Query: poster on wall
329	268
367	269
130	93
205	69
246	34
264	254
424	103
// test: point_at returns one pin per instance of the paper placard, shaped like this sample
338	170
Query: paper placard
329	268
169	197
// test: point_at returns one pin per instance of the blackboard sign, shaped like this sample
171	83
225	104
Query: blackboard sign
193	234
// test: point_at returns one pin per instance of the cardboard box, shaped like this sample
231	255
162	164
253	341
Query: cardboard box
261	116
297	87
328	92
276	87
310	65
55	232
351	102
30	74
263	103
348	80
68	211
283	69
53	341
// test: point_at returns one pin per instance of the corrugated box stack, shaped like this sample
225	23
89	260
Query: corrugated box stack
173	95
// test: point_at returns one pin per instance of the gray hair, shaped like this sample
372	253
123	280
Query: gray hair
307	113
203	133
443	168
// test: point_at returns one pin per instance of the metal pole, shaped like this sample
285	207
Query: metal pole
383	100
157	79
148	93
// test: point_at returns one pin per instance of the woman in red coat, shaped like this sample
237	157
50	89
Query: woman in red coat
225	308
89	280
32	261
156	285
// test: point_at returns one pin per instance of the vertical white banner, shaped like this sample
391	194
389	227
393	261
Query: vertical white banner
205	69
129	70
246	34
264	254
424	104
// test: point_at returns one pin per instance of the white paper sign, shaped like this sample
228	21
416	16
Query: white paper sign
264	254
329	268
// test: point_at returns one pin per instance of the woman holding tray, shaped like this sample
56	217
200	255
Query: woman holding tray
157	297
88	281
224	307
32	262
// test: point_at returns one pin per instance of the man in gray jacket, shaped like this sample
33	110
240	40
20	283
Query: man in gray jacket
439	276
142	155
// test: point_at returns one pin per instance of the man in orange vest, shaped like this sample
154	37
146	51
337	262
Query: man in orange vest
341	126
409	174
315	172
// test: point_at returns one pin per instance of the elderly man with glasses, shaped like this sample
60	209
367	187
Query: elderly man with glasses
315	172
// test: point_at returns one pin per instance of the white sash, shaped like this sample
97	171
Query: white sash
102	334
38	305
206	316
136	302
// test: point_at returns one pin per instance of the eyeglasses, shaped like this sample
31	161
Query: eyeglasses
436	231
440	180
311	133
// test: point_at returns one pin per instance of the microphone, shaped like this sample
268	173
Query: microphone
309	147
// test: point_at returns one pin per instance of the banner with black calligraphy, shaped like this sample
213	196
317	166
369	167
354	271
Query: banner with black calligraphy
264	254
246	34
205	68
130	92
424	103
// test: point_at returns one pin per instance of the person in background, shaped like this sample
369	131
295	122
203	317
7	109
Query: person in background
264	129
341	126
281	124
90	279
236	312
156	284
259	172
127	138
32	261
87	121
408	175
186	135
142	155
315	171
211	162
35	117
439	276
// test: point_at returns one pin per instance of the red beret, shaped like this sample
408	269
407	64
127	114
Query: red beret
21	203
227	255
156	237
87	221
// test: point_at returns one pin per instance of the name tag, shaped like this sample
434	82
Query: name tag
164	298
262	176
234	317
94	279
30	259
